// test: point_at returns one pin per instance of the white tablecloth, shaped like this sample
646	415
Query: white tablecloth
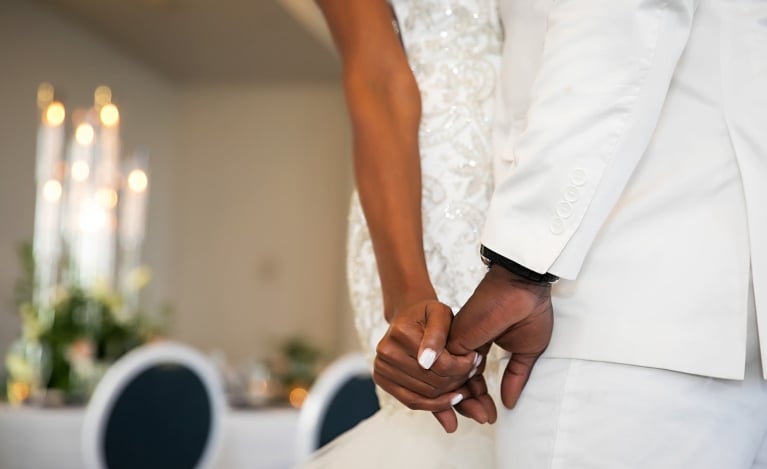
32	438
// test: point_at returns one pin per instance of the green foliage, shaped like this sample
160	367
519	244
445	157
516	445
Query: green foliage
301	362
26	284
83	317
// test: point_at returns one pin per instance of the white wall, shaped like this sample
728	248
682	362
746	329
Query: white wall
249	188
37	46
263	182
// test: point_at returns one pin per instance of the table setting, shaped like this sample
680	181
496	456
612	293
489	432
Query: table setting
79	302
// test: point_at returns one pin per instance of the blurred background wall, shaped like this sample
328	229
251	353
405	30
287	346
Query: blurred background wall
262	187
242	112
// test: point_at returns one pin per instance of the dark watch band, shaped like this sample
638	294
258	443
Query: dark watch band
490	257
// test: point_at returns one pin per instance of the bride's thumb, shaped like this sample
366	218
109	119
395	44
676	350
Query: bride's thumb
438	321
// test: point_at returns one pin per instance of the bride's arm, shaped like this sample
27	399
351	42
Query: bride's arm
385	108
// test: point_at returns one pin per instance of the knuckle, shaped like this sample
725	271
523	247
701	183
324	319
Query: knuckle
377	379
378	361
397	331
446	368
409	403
385	349
413	403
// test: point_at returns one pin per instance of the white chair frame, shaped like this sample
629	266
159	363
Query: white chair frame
315	406
124	371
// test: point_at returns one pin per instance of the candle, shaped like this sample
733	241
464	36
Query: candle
105	196
109	146
91	221
80	213
46	240
50	141
133	207
132	222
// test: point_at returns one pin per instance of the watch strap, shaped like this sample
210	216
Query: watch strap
490	257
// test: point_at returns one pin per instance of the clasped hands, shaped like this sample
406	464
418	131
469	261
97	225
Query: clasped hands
432	361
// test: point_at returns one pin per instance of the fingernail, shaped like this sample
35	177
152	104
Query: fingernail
426	360
477	359
456	399
473	372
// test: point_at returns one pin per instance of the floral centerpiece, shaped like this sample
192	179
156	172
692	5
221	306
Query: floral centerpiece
62	360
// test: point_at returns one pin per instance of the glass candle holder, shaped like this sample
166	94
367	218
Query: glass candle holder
29	365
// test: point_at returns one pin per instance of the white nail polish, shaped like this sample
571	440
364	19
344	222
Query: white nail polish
477	359
473	372
456	399
427	358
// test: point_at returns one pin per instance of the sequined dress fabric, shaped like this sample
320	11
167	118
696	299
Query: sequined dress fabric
454	51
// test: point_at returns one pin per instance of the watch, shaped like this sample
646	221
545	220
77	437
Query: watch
490	257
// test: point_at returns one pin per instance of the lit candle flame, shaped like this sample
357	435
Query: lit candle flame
84	134
18	392
92	218
55	114
102	96
297	396
137	180
109	115
106	197
44	95
80	171
52	190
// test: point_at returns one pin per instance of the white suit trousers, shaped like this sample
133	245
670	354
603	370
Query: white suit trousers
578	414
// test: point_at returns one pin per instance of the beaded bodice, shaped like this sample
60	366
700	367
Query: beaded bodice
454	51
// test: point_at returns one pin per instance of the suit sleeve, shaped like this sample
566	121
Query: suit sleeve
605	69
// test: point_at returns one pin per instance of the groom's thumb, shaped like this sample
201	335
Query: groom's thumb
515	377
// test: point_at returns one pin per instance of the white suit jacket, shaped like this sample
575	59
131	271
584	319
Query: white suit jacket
631	160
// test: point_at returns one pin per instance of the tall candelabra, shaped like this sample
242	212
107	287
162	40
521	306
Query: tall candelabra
90	210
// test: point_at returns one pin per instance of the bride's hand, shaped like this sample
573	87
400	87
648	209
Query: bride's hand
477	403
412	364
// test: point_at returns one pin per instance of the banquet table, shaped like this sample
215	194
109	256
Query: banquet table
43	438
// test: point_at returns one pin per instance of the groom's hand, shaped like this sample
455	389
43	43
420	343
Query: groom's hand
513	312
412	364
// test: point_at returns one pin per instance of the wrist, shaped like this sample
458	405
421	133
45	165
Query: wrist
401	298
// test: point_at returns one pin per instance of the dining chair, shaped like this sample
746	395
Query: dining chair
342	396
159	406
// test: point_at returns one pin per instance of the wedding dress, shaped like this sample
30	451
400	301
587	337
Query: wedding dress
454	50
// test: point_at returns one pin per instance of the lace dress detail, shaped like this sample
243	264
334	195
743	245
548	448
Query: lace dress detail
454	49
